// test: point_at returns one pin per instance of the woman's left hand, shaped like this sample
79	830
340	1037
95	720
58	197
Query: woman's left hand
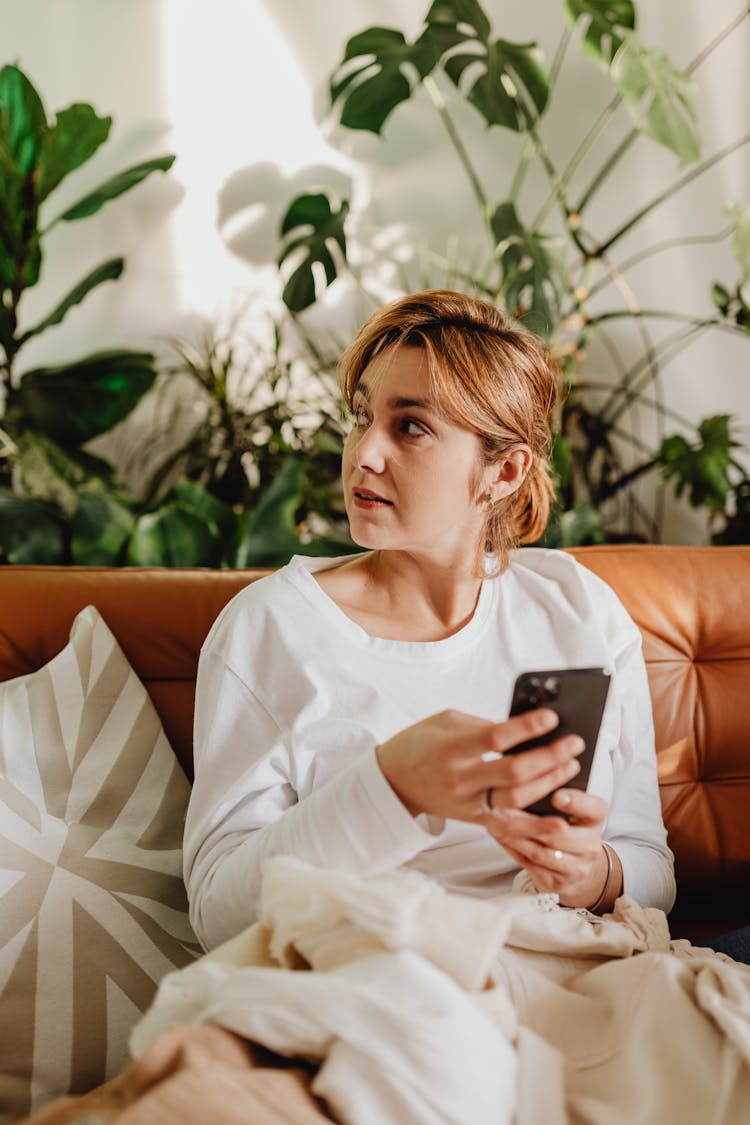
561	855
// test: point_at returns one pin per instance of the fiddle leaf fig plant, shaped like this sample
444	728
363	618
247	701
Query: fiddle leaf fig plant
48	414
556	267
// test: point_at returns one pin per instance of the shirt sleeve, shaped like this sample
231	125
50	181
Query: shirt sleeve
244	808
635	826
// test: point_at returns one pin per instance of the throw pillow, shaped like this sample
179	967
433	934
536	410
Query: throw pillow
93	910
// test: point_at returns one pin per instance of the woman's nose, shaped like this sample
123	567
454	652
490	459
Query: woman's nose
370	450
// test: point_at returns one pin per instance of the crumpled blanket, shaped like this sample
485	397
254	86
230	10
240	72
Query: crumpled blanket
427	1008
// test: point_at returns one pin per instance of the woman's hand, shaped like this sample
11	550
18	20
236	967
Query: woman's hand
446	764
561	855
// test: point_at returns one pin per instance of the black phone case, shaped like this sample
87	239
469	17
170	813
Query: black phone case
578	695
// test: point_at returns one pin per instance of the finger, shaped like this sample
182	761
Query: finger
586	809
532	724
516	769
543	878
516	792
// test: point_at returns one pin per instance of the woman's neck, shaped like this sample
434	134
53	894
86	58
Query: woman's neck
401	596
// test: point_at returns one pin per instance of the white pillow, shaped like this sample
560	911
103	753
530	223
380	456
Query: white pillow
93	910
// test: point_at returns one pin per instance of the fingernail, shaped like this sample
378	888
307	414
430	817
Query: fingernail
575	767
563	797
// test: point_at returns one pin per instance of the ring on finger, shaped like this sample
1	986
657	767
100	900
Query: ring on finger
557	855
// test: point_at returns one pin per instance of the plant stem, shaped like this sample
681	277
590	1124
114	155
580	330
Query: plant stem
672	190
439	103
666	314
667	350
658	248
530	147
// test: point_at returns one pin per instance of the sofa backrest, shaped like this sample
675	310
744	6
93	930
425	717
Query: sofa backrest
692	605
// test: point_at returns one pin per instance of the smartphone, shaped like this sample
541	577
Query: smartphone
578	695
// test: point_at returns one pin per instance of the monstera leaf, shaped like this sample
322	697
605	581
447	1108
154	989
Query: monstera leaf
659	98
532	268
702	470
512	86
604	22
309	227
371	79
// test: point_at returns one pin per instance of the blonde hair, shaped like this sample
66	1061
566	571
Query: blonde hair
488	375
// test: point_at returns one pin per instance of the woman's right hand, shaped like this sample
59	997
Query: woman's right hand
445	764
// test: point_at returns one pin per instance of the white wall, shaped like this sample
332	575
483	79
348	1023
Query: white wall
235	87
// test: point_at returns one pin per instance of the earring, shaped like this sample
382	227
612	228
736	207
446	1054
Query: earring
487	497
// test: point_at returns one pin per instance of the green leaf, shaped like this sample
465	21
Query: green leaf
578	526
702	469
219	517
534	280
77	401
509	82
321	226
101	526
370	79
45	471
562	458
659	98
31	533
107	271
451	13
741	240
603	22
76	135
113	187
268	534
171	536
24	118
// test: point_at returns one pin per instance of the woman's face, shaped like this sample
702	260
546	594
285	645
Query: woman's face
413	480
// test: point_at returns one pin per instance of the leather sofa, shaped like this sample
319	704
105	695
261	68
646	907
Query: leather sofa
692	605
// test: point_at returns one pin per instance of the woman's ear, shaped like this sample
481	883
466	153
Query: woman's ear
506	475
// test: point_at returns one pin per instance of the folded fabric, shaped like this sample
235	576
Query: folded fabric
428	1008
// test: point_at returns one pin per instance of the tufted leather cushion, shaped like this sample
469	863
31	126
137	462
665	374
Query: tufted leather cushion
692	605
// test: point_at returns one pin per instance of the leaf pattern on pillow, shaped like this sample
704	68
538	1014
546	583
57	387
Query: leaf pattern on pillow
93	911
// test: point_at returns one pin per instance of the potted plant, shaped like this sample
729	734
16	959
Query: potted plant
48	414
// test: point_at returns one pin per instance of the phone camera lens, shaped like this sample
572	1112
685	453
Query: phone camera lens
551	687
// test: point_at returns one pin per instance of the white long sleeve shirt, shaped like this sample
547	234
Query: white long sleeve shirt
293	697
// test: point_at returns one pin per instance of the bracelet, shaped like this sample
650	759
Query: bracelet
607	882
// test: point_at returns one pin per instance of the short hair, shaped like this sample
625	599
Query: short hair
488	374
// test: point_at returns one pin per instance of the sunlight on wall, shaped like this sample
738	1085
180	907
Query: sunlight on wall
235	97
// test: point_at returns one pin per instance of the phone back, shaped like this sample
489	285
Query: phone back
578	695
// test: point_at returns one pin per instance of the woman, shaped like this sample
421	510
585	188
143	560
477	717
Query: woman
353	712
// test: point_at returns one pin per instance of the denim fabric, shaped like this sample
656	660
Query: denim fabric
736	944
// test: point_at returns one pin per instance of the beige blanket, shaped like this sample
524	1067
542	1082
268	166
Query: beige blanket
422	1008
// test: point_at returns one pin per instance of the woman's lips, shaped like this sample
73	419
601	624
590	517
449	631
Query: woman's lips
364	498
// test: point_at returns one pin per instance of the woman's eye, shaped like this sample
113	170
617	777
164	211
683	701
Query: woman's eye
360	417
411	427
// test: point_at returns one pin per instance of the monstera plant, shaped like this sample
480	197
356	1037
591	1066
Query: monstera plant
48	414
556	269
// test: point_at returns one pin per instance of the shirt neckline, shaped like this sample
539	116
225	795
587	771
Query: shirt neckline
300	570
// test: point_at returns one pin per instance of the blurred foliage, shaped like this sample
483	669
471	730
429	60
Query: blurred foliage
49	413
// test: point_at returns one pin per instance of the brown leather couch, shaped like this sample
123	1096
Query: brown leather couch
692	605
